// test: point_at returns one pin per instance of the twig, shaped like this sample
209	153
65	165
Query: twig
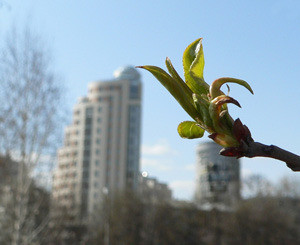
256	149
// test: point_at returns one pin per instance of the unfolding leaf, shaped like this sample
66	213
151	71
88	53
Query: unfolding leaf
215	111
214	89
203	107
176	76
190	130
207	105
197	66
179	90
193	65
172	70
224	140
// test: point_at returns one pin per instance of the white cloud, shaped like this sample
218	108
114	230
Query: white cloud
153	165
190	167
162	147
158	158
183	188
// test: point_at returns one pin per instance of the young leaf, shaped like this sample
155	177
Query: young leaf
215	110
224	140
179	90
203	107
176	76
193	65
197	66
190	130
214	89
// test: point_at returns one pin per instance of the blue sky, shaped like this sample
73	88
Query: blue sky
257	41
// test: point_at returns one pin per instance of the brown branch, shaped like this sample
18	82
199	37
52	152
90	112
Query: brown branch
256	149
249	148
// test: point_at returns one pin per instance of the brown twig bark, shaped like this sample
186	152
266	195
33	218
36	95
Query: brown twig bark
255	149
250	148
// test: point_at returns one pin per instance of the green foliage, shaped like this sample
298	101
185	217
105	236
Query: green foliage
193	65
207	105
190	130
176	87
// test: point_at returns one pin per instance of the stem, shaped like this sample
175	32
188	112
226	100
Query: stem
256	149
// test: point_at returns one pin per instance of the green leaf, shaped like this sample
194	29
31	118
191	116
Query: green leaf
172	70
224	140
176	76
203	107
190	130
215	87
178	89
197	65
215	110
193	65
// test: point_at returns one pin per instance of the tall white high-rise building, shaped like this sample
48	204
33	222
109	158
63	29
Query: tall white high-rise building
101	148
217	178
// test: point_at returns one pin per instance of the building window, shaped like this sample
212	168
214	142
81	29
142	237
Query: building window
96	173
98	130
98	141
86	164
86	153
99	120
87	143
97	163
99	109
134	91
89	112
88	122
85	174
87	131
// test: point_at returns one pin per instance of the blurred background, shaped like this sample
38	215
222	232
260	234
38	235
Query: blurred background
61	58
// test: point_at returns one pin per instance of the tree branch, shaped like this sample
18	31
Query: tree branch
255	149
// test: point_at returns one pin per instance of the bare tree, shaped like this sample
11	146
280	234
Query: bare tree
257	185
30	98
289	187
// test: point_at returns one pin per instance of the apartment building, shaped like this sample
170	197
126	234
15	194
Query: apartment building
153	191
101	149
217	178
